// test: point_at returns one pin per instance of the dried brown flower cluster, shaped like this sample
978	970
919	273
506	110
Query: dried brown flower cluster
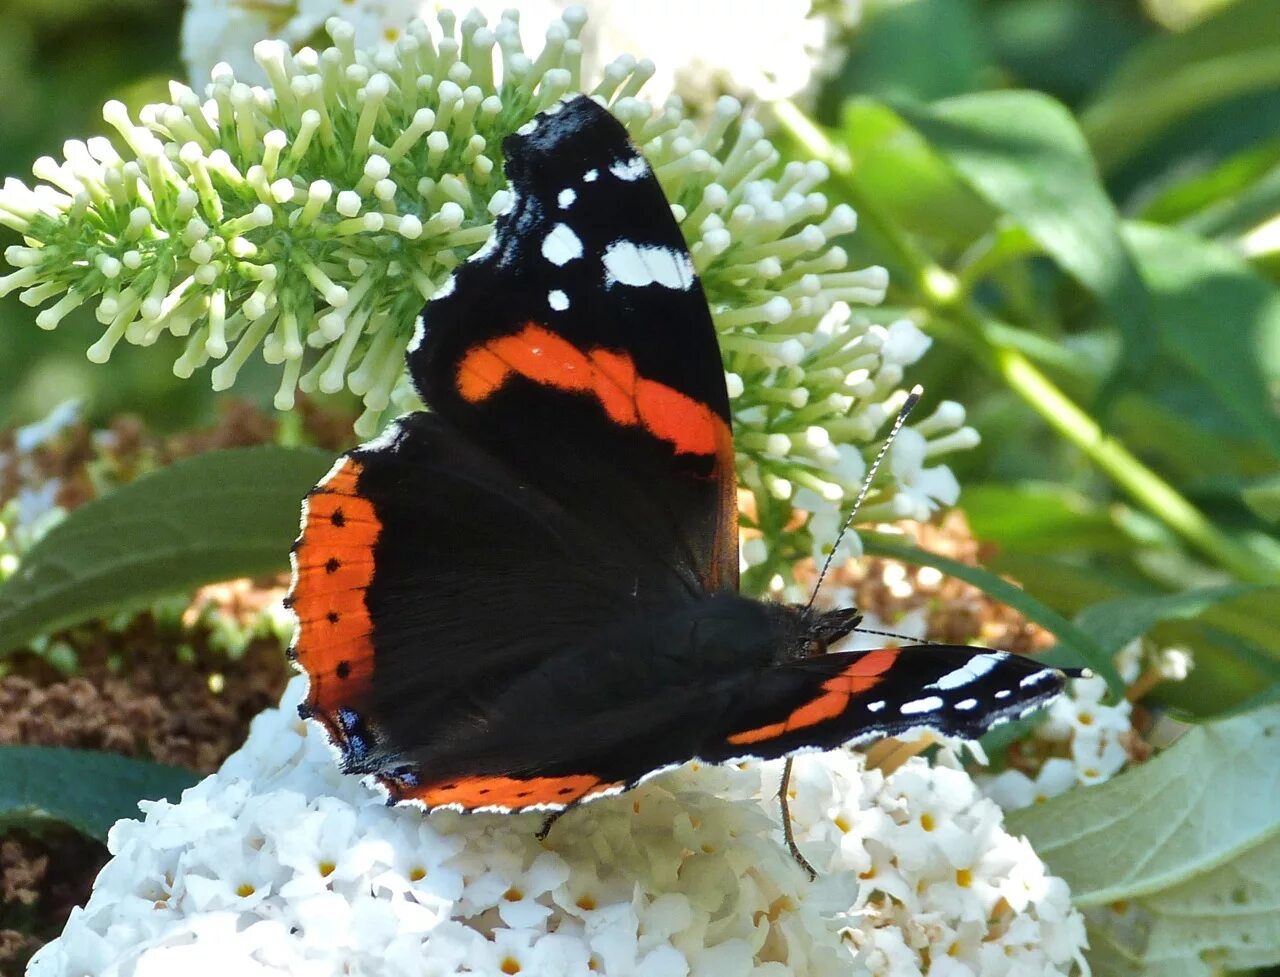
956	612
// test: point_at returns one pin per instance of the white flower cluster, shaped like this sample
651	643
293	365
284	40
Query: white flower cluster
775	48
33	509
1096	736
1092	733
281	865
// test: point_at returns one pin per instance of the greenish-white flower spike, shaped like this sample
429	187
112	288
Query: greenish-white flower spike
311	218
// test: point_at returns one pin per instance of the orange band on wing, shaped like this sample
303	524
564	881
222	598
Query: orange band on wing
334	559
508	792
859	677
540	355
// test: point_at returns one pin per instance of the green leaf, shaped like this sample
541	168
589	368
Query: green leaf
87	790
1040	518
218	515
1072	637
1191	840
1220	320
1177	75
1264	498
1233	193
1115	623
885	57
1022	152
916	189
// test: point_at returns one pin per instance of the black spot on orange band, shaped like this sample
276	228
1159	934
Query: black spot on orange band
513	793
334	559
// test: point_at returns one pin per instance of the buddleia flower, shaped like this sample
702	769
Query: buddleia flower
782	48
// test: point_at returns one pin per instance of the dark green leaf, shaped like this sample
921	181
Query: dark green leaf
1220	320
87	790
1193	838
1035	518
1263	497
218	515
1022	152
884	59
1117	622
1030	37
1174	76
1074	639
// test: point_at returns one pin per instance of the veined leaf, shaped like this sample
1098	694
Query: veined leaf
1189	842
218	515
1220	319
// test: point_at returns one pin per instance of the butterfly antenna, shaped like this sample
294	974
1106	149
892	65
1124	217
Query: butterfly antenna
913	398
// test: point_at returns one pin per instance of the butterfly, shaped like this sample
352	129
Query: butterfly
527	597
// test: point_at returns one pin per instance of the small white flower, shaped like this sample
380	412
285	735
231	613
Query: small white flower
775	48
1013	789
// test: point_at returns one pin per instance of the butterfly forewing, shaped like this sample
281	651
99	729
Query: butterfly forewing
578	348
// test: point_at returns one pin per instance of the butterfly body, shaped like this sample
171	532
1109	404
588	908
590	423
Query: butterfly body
527	597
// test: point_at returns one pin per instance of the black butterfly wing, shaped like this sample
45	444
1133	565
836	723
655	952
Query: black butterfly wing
434	591
578	348
846	698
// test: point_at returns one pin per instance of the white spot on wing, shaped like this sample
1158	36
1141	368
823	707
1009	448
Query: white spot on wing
1035	678
929	704
627	263
590	176
561	245
388	439
419	334
630	169
967	704
1003	694
557	300
566	197
875	706
485	249
971	671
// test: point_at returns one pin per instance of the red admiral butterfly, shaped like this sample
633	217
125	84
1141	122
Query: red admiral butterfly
528	597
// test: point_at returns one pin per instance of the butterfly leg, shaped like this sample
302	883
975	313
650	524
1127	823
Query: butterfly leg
787	831
552	818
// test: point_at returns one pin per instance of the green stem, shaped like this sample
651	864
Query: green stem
940	292
1105	451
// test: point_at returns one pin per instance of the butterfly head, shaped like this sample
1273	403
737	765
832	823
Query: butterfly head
825	628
